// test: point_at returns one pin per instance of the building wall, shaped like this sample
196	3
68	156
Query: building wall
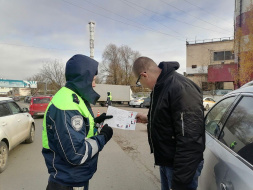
4	90
20	92
201	55
221	72
198	79
24	91
229	85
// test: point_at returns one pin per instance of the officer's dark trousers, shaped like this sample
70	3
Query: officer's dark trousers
56	186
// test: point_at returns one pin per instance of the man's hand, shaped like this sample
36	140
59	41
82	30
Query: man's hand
102	117
141	118
107	132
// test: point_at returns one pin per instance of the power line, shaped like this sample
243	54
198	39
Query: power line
156	20
172	18
193	15
152	30
204	10
126	18
38	47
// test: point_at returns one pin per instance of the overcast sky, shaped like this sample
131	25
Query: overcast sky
33	32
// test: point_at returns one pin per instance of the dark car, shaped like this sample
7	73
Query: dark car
26	99
16	98
146	102
228	157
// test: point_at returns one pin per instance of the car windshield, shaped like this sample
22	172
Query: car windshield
41	100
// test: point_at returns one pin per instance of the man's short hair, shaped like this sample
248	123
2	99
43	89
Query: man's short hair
143	64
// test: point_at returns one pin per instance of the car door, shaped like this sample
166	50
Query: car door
44	103
36	105
237	140
22	126
8	124
4	119
213	125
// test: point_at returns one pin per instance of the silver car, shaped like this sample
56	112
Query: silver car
16	126
228	155
137	102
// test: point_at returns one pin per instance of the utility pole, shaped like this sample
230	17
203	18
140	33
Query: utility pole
92	29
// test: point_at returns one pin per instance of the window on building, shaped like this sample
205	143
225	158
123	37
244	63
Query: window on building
219	85
229	55
223	55
194	66
205	86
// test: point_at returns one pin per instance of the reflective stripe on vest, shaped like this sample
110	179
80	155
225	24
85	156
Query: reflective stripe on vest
63	100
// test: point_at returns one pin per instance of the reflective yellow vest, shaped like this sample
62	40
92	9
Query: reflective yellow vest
63	100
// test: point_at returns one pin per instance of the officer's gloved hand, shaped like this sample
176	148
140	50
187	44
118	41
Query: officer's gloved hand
107	132
102	117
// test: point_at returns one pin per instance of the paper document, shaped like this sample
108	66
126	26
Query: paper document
122	119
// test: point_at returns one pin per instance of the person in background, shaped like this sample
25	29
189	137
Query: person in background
175	123
109	98
71	142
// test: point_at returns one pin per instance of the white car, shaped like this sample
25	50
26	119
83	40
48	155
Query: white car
16	126
137	102
208	103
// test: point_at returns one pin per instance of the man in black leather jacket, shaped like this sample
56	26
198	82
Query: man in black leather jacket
175	121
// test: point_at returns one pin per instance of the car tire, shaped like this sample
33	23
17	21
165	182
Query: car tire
31	135
141	105
207	107
4	152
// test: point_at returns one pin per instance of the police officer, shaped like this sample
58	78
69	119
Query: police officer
71	143
109	98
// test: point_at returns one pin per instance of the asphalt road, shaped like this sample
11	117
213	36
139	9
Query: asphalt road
125	162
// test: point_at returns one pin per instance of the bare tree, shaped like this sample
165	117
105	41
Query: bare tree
53	72
50	78
127	57
117	64
111	68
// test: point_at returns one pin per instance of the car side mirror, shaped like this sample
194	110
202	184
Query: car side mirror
25	110
213	128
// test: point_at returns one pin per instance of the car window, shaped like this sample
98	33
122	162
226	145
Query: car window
4	110
36	100
41	100
44	100
14	107
214	116
211	99
238	130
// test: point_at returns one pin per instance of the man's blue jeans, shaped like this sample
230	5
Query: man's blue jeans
166	174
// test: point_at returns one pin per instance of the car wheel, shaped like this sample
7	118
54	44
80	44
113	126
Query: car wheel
4	151
141	106
207	107
31	135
